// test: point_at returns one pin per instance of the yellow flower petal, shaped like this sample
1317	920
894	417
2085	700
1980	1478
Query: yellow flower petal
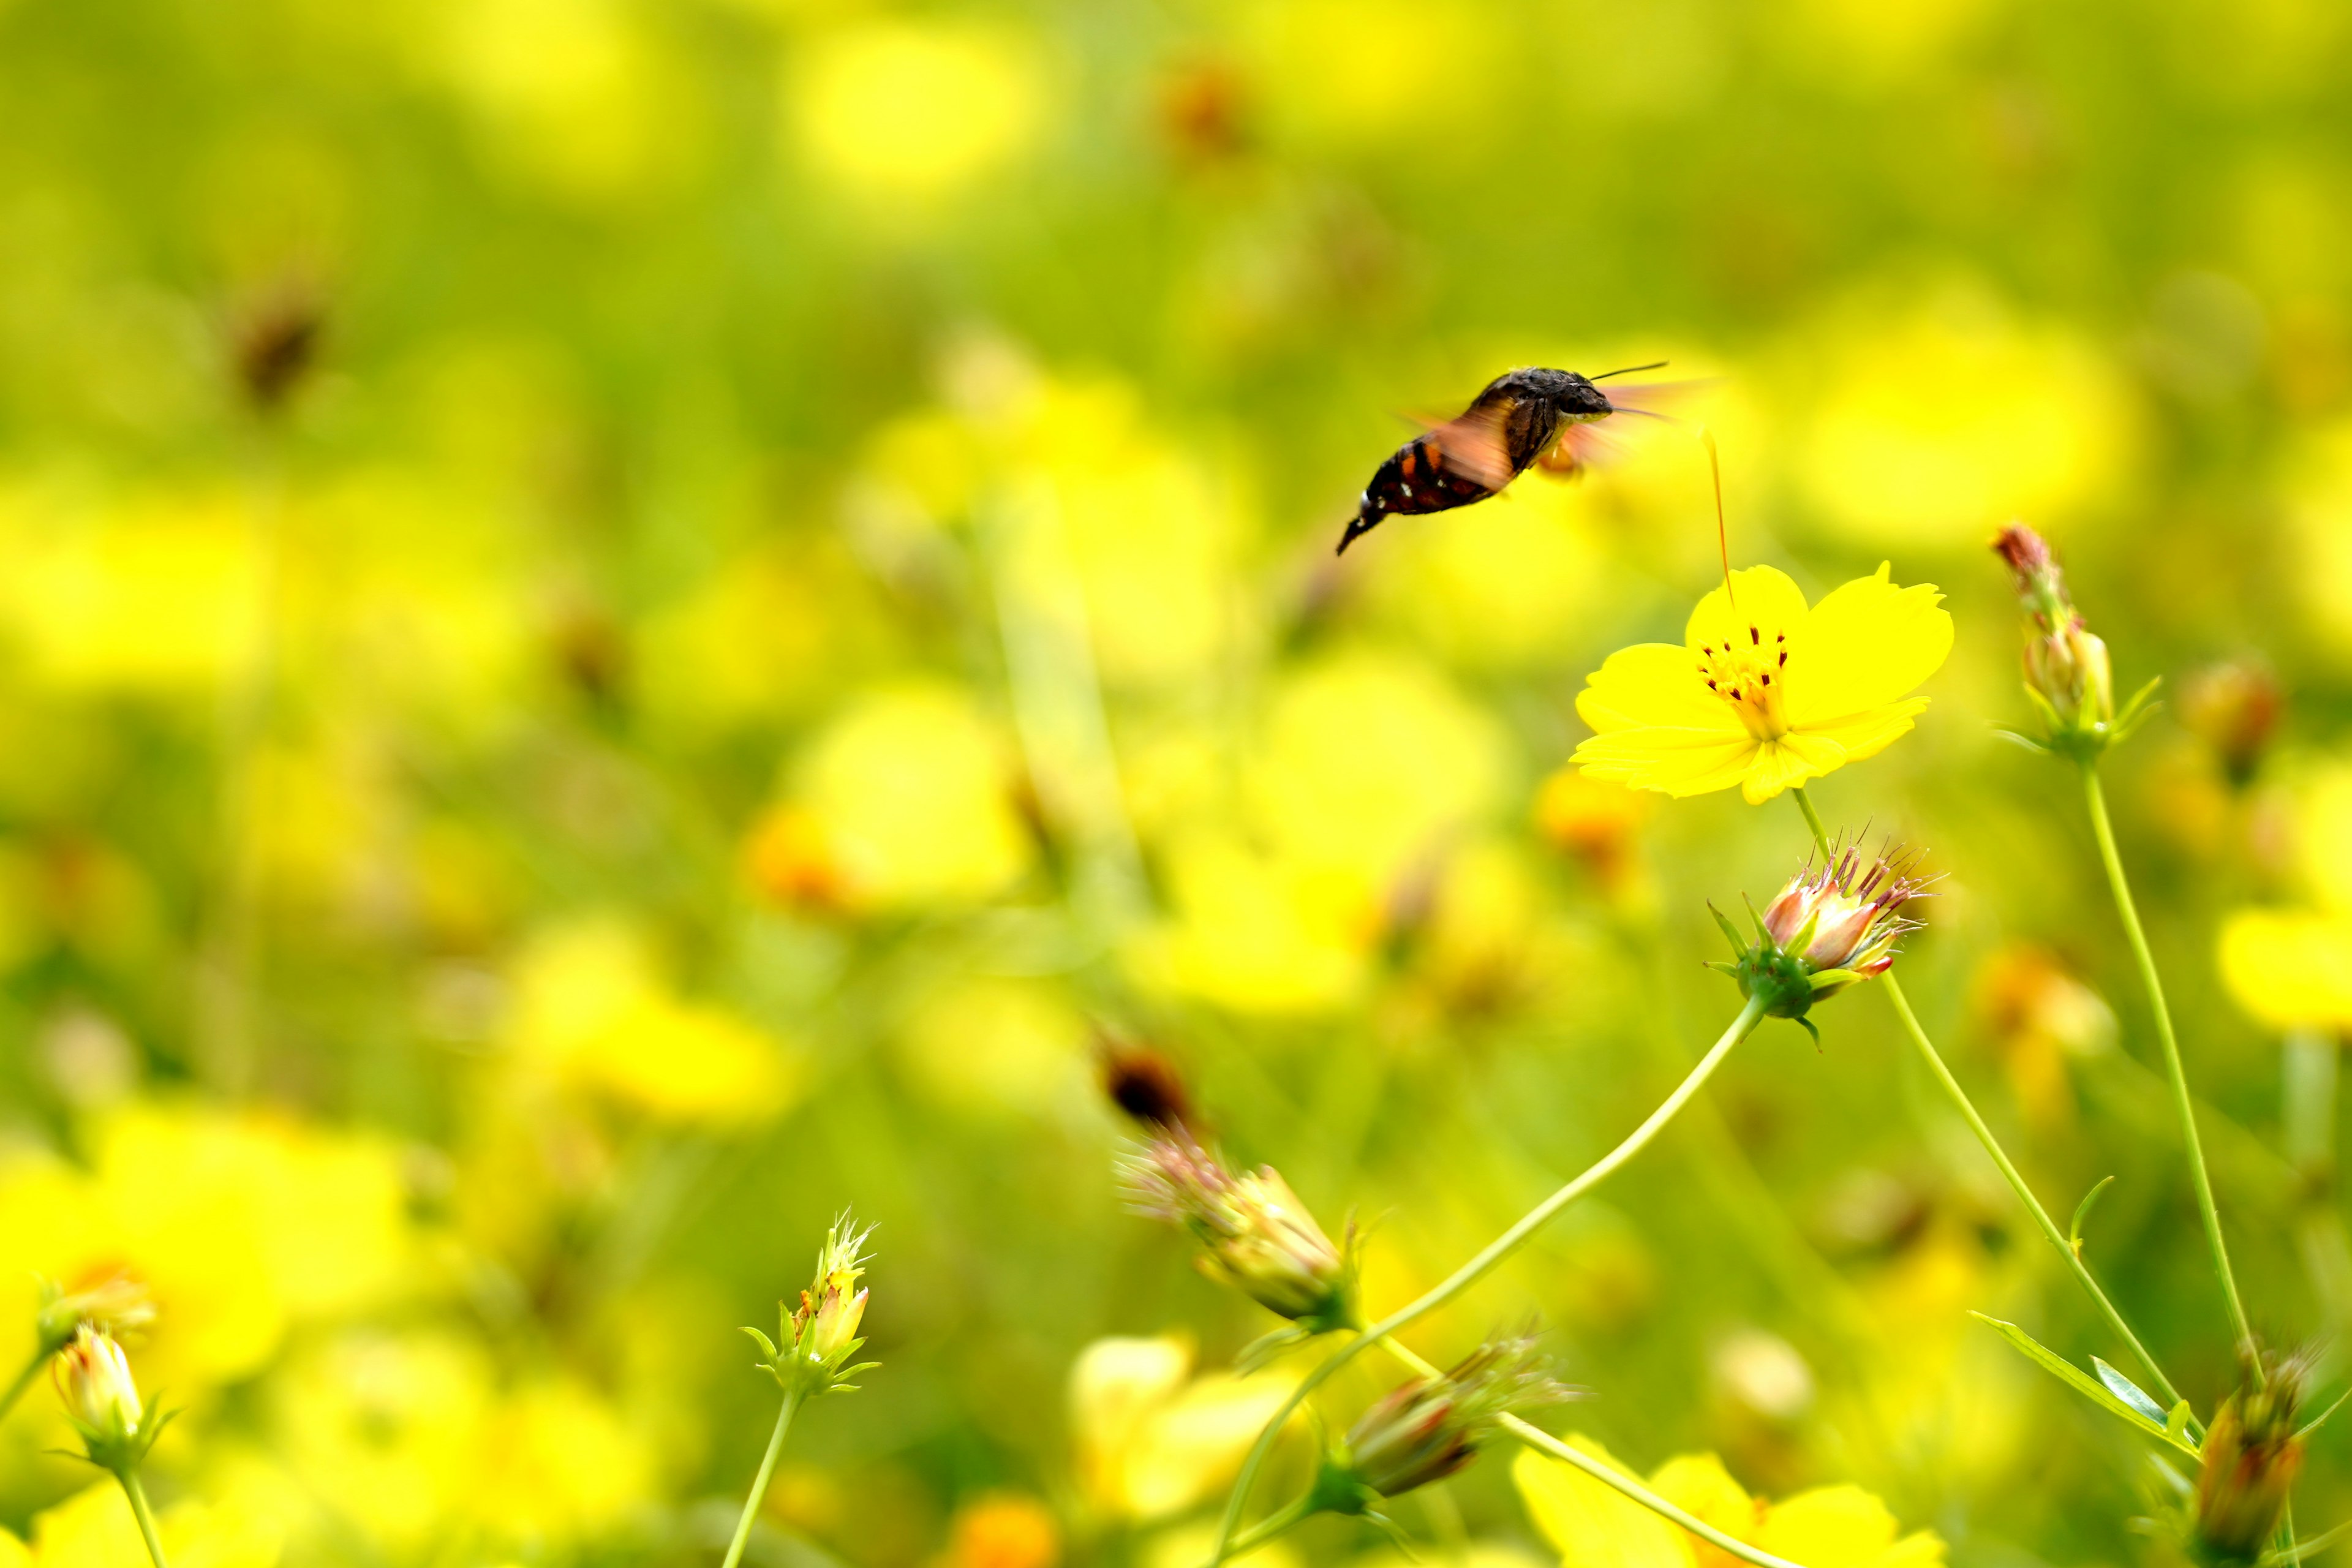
1867	733
1790	760
1762	603
1676	761
1652	684
1829	1527
1591	1525
1699	1483
1868	644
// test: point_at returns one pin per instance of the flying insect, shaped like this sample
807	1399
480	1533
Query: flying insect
1523	419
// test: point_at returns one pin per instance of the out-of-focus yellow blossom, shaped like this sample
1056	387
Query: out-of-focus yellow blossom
753	642
2038	1017
1368	763
1596	821
240	1225
1764	693
2291	966
560	1463
1150	1438
1927	429
1189	1546
95	1528
994	1047
1003	1529
593	1011
1858	45
386	1430
569	93
909	796
1357	71
2319	508
906	111
148	595
1258	934
1504	586
1592	1526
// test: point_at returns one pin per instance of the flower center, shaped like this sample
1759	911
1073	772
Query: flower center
1747	672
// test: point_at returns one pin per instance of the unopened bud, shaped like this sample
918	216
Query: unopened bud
820	1335
1829	929
1259	1238
1144	1084
2234	707
2252	1457
1426	1429
93	1379
2067	671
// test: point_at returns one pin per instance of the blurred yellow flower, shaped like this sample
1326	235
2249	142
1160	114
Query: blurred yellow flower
1151	1439
1592	1526
993	1046
240	1225
95	1528
2291	966
1764	693
1003	1529
593	1011
910	110
560	1461
910	795
1930	427
386	1430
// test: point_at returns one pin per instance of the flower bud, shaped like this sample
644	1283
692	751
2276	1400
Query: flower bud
2252	1457
1426	1429
820	1335
93	1379
2067	671
1827	930
114	1306
1260	1238
2234	707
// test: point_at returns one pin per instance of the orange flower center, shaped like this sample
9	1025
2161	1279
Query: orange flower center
1748	673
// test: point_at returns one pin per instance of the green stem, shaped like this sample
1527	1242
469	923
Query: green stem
24	1379
1271	1525
760	1482
2096	799
1478	1268
128	1476
1543	1442
1967	1108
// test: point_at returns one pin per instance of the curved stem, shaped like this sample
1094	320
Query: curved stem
1478	1268
24	1381
760	1482
128	1476
1967	1108
1543	1442
1275	1523
2096	799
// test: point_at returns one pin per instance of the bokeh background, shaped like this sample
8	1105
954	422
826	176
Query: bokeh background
626	623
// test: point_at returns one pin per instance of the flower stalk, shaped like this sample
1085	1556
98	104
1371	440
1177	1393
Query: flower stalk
1478	1268
2094	801
1942	1073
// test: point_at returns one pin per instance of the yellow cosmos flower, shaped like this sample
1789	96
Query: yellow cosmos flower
1764	693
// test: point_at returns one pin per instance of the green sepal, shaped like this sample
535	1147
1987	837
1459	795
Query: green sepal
2089	1387
1810	1028
1824	979
1730	931
2138	712
767	1346
2015	739
1722	968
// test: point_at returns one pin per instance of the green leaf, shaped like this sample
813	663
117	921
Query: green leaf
2082	1212
2312	1426
2082	1382
2177	1420
2130	1393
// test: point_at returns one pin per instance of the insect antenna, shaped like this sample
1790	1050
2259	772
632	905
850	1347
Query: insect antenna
1629	370
1722	535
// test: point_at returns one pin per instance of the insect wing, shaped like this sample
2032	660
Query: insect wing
1474	447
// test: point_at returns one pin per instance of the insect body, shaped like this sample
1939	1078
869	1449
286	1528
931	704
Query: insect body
1522	418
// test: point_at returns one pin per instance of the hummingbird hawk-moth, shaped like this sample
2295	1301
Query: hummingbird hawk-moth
1523	419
